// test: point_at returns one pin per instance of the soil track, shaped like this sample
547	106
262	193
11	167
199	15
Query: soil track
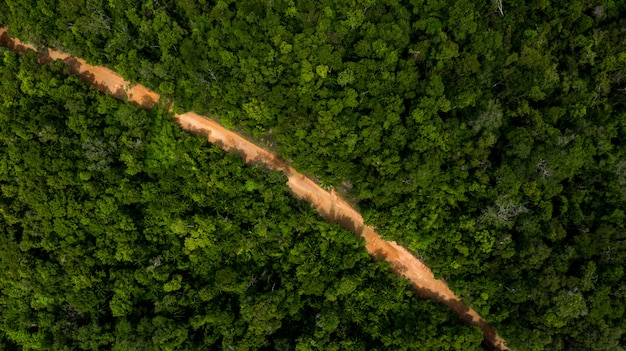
329	204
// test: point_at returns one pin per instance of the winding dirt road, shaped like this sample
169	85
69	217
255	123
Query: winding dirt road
329	204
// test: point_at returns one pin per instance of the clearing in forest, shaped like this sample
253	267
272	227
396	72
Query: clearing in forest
328	203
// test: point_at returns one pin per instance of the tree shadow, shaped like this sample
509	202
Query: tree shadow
7	41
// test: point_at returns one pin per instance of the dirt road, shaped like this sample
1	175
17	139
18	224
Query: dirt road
329	204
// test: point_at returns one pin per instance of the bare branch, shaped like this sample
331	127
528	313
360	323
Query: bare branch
500	6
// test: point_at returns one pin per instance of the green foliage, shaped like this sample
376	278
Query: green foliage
122	232
490	141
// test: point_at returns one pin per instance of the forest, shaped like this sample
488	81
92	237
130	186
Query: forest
123	232
487	137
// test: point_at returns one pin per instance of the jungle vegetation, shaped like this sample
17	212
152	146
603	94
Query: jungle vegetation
487	137
122	232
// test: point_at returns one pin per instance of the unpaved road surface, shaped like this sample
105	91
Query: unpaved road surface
329	204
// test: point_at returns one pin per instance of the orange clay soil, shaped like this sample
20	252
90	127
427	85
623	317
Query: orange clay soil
329	204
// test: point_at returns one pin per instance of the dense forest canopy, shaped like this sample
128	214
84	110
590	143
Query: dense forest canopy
122	232
487	137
